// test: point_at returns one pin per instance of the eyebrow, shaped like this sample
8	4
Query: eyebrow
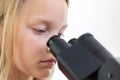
38	20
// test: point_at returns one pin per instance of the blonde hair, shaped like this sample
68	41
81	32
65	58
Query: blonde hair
8	10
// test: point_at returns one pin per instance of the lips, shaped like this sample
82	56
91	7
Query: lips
49	62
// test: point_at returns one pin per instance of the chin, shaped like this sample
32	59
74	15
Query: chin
45	74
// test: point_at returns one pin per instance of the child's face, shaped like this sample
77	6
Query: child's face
36	22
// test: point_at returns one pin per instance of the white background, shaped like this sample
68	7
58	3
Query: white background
98	17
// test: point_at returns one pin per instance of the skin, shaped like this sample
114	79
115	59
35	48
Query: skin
36	22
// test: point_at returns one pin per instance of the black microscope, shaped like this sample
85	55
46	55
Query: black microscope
84	58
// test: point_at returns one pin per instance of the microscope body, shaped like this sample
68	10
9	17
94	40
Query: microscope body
84	59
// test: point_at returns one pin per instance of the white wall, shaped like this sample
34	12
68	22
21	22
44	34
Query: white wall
99	17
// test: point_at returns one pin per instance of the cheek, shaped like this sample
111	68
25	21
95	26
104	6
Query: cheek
28	48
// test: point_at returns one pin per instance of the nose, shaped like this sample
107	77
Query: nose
52	34
48	48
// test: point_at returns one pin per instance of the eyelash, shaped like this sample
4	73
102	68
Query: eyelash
39	30
42	31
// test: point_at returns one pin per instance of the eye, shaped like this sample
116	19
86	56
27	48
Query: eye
39	31
39	28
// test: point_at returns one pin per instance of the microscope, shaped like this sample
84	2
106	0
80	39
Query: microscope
84	58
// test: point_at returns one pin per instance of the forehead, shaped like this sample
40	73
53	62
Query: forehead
48	10
43	1
44	4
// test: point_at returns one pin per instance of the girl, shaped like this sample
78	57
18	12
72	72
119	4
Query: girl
25	27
